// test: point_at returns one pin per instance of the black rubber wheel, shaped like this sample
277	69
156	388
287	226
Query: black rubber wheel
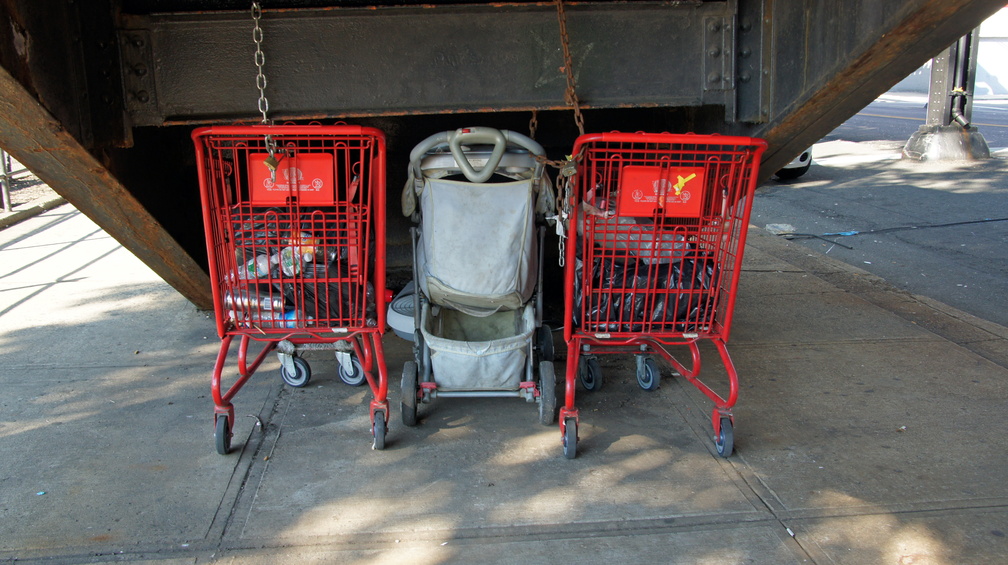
222	435
725	442
547	393
790	174
378	431
546	349
301	375
357	377
590	373
408	401
648	375
570	439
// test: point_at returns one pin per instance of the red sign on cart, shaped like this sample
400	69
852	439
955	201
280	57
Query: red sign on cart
306	177
675	191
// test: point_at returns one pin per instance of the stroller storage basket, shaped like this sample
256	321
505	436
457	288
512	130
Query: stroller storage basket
483	353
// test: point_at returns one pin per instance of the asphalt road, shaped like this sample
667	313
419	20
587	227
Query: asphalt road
937	229
896	117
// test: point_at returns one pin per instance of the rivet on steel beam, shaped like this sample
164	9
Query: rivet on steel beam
715	27
744	77
746	52
140	69
746	25
143	96
714	52
138	42
714	77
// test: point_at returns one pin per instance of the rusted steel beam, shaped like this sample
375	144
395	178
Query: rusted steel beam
43	145
925	28
418	59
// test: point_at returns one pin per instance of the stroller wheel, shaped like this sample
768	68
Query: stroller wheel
408	401
546	351
547	393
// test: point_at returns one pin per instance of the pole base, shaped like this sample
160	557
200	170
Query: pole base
946	143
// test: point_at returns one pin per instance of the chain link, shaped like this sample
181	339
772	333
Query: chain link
571	94
260	60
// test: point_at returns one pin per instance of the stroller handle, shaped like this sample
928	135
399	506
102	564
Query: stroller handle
500	139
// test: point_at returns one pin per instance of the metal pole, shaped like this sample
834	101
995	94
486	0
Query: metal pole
5	180
947	134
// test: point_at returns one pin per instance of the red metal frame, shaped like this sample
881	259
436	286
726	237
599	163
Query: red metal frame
338	219
690	204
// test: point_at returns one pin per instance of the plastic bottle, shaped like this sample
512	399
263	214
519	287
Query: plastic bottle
290	261
258	266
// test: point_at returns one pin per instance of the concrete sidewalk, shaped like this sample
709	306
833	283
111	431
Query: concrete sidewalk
868	430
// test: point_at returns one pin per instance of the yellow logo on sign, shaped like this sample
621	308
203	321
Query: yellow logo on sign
681	184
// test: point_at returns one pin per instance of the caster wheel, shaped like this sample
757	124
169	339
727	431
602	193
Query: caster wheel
222	435
546	350
378	431
648	376
570	439
408	403
300	376
547	393
355	378
725	442
590	373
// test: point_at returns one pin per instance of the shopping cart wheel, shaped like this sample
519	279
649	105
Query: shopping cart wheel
378	430
547	392
222	435
648	375
354	378
546	350
725	442
590	373
570	438
409	393
301	374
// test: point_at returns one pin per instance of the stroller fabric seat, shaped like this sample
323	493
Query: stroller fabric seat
478	252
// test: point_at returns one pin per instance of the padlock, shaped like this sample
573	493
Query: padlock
272	163
568	169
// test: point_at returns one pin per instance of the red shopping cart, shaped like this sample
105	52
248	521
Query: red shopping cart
660	223
295	226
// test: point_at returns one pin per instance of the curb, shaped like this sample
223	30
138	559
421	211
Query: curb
18	216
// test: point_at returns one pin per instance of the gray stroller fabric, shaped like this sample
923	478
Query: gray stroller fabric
478	251
478	353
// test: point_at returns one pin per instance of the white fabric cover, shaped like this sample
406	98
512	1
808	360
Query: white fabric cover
478	353
478	251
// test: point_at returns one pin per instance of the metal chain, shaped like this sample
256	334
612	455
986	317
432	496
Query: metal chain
568	67
260	60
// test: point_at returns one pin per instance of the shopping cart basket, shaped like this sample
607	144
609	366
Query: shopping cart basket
660	223
295	226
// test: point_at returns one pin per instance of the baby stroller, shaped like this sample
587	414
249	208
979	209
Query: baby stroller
475	195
